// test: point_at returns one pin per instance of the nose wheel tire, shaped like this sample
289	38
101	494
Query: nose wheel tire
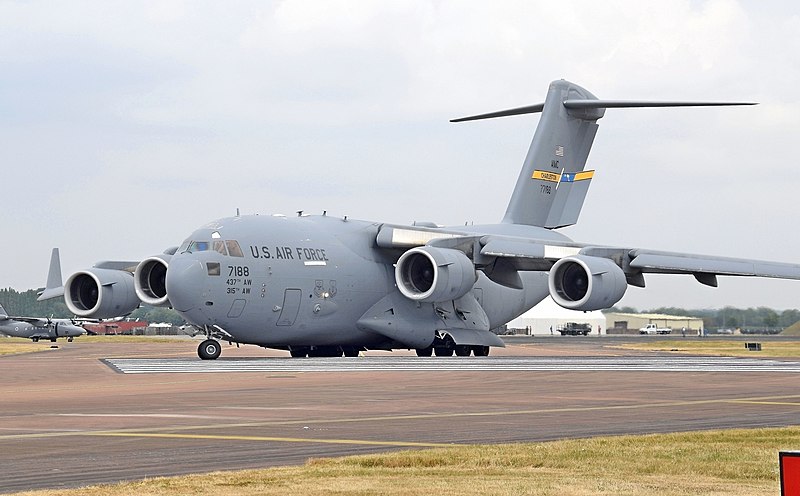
209	349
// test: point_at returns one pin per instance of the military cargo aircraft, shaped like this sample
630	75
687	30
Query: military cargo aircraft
36	328
319	285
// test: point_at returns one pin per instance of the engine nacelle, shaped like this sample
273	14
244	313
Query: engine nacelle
100	293
431	275
586	283
150	280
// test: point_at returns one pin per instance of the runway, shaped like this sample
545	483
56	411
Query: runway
89	413
451	364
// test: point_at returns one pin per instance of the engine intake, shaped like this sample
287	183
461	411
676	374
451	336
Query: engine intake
150	280
586	283
430	274
100	293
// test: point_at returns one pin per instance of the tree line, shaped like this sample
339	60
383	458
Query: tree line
25	304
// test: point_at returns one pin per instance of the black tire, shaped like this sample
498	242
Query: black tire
480	350
299	352
325	352
424	352
463	350
443	351
209	349
350	351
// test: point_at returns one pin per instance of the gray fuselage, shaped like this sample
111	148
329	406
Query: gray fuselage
277	281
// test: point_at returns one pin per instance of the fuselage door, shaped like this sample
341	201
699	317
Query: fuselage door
291	305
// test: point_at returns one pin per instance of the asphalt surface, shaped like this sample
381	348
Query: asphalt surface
87	413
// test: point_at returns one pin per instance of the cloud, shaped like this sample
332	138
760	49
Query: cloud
153	118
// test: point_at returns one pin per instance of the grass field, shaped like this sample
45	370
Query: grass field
10	346
720	347
733	462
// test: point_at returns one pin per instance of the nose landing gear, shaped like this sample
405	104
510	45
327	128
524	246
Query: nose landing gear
209	349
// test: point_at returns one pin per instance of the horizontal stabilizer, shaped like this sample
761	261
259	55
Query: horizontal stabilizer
554	182
530	109
593	104
598	104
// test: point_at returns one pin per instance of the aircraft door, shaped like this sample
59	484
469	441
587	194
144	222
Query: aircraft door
290	308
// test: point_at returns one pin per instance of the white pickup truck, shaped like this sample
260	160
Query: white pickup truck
654	329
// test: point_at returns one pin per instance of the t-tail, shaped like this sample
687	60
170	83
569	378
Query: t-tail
553	182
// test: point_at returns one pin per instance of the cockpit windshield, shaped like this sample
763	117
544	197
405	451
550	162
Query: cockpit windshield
228	247
196	246
234	249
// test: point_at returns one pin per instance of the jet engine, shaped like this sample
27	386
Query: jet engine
586	283
150	280
431	275
100	293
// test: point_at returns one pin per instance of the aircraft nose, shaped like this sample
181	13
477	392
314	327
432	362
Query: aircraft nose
185	282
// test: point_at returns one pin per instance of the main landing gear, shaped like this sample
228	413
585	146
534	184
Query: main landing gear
459	350
445	346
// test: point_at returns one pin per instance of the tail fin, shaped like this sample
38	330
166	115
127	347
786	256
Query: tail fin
3	314
55	287
552	184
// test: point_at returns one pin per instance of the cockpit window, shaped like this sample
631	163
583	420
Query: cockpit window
233	248
213	268
219	246
198	246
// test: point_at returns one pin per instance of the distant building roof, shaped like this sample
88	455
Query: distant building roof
655	316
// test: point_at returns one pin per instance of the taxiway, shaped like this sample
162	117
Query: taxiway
89	413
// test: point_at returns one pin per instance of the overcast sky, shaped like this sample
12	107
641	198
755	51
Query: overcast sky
124	126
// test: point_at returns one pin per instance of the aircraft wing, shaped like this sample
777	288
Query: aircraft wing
32	320
500	256
541	255
701	266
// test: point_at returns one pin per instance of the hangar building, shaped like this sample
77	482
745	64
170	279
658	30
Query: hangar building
630	323
547	315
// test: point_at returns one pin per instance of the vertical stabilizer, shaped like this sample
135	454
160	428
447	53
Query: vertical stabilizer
55	286
552	184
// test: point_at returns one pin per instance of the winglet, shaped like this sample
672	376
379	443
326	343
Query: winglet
55	286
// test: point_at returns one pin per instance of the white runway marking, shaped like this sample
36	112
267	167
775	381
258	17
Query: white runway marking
450	364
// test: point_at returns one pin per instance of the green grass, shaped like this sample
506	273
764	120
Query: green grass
732	462
719	347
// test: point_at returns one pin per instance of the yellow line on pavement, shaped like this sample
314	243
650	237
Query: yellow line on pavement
406	444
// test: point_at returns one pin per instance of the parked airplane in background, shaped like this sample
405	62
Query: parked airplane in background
36	328
326	286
